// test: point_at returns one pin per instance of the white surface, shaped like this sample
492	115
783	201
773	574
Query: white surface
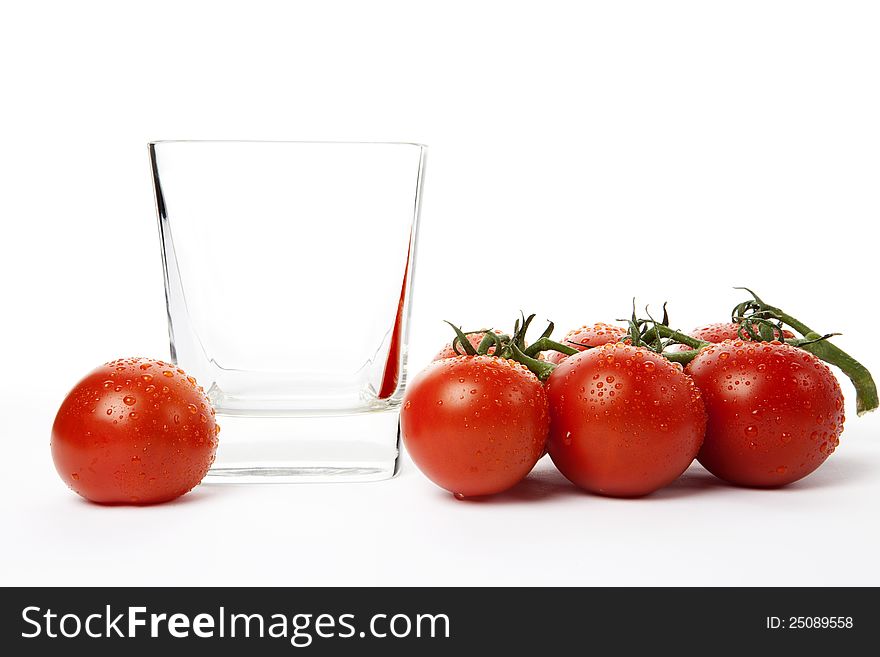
405	531
664	150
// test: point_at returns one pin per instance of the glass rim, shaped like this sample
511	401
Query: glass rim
285	141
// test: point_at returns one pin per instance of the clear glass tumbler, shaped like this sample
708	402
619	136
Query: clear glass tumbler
288	278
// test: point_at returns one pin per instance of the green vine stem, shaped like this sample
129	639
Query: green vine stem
513	347
546	344
866	389
682	357
663	331
541	368
818	345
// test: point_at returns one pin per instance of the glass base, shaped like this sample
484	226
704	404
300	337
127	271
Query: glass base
345	448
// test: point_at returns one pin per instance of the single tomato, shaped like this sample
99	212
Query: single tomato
134	431
589	335
775	411
475	425
624	420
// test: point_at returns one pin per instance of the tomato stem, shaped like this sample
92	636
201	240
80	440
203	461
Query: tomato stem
540	368
819	346
683	357
665	332
546	344
513	347
866	389
462	341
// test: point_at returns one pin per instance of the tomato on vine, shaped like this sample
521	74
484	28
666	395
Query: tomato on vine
618	412
475	425
775	412
624	420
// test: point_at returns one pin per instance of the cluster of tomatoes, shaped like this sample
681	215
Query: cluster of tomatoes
621	415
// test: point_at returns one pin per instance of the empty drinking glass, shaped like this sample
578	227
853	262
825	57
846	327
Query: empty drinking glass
288	277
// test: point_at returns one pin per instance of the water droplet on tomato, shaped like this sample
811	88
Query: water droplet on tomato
458	496
751	431
109	411
785	437
167	373
649	366
75	476
781	469
128	400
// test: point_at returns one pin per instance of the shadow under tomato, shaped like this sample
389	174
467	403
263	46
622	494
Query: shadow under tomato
836	472
695	481
198	495
545	482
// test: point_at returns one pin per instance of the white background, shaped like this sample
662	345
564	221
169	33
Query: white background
581	154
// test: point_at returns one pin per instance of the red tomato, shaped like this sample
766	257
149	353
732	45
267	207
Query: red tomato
134	431
473	338
624	420
475	425
775	412
591	336
718	333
